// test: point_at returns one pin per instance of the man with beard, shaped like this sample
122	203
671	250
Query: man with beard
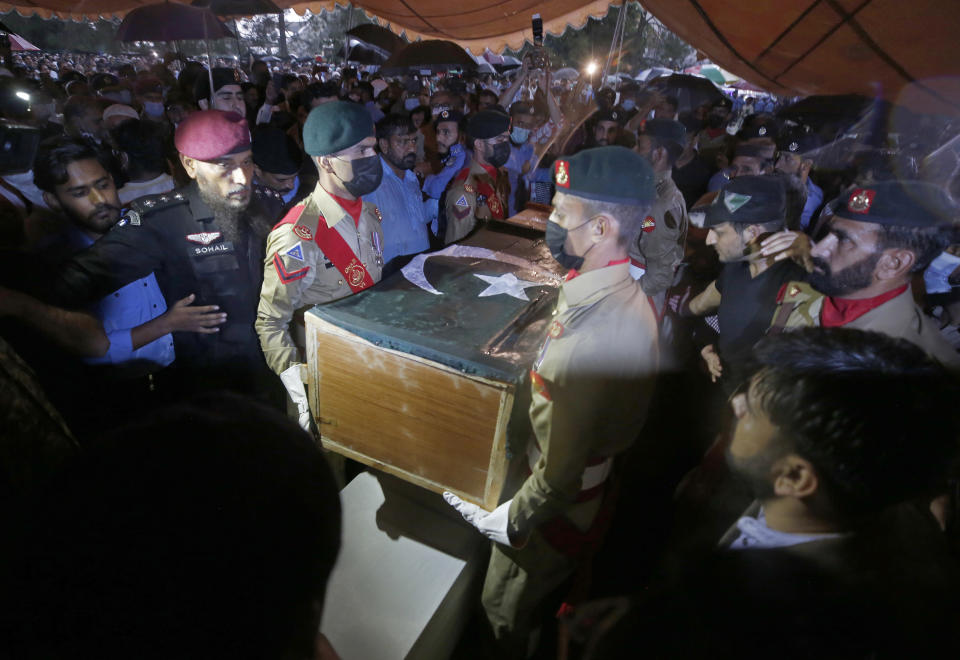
791	161
833	559
877	239
590	389
480	191
277	161
328	247
606	131
405	222
453	157
660	248
227	93
205	240
748	209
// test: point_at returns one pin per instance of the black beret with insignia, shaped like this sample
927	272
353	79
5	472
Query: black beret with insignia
487	124
757	129
448	115
275	152
914	204
610	115
750	200
798	141
222	76
665	129
607	174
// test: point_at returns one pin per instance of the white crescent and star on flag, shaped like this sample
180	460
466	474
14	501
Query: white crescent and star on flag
507	283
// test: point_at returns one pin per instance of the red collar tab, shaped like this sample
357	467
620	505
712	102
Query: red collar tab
352	206
838	312
617	262
572	273
491	170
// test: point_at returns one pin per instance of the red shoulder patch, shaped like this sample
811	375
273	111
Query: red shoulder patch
462	174
781	293
292	216
539	385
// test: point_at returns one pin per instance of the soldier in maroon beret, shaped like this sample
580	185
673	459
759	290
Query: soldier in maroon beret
204	240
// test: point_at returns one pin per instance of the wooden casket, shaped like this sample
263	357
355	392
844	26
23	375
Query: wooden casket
420	375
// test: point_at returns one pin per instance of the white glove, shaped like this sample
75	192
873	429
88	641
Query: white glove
492	524
293	381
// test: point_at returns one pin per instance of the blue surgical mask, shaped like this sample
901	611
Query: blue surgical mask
629	104
936	277
411	103
153	108
519	135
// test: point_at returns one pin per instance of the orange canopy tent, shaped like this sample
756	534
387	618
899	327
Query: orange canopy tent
891	48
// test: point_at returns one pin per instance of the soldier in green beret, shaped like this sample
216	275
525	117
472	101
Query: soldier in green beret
330	245
480	191
591	385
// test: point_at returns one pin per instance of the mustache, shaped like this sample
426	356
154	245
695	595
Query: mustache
103	208
820	264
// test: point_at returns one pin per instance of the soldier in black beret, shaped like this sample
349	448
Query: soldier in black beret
878	237
744	212
480	191
793	160
227	93
606	130
277	160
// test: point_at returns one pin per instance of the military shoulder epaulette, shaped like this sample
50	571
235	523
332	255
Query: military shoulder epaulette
143	206
265	191
797	292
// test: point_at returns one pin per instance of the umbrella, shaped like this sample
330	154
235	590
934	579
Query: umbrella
567	73
19	43
376	37
432	55
507	63
361	54
238	7
691	91
171	21
715	74
653	72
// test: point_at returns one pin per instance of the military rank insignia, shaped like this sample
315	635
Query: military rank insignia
303	232
649	224
376	210
861	200
130	218
296	252
562	174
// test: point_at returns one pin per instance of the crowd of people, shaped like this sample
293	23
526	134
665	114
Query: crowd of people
728	296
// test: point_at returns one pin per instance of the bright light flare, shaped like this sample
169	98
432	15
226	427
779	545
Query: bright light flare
591	68
23	95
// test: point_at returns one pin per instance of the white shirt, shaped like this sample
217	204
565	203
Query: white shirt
754	534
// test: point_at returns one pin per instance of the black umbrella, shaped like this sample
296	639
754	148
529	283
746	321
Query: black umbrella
238	7
171	21
361	54
433	55
376	37
691	91
821	109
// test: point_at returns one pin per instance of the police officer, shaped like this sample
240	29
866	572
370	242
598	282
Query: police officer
277	160
661	245
591	385
480	191
205	239
878	237
227	91
329	246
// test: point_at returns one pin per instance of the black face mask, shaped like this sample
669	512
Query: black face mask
500	155
556	237
367	174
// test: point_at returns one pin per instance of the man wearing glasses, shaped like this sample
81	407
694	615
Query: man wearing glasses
329	246
480	191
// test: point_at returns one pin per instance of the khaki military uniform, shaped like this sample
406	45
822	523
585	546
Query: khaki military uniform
473	195
660	247
591	385
298	274
899	317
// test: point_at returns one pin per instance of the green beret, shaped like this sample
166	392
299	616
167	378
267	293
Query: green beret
335	126
751	200
607	174
487	124
914	204
666	129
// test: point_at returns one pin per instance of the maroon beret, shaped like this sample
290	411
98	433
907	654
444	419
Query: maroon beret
212	134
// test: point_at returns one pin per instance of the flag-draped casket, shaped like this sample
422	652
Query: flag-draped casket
423	376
